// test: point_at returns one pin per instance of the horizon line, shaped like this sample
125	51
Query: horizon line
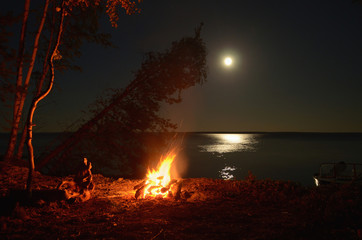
235	132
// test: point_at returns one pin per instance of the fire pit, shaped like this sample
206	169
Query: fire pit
159	183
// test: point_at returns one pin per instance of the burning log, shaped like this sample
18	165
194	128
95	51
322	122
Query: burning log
169	185
178	191
140	191
172	190
164	189
173	181
81	186
159	183
139	185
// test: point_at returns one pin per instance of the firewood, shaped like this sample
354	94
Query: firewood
138	186
173	181
164	189
140	191
178	191
152	187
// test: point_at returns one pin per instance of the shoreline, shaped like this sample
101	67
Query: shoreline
216	209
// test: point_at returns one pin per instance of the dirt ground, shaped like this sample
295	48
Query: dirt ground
209	209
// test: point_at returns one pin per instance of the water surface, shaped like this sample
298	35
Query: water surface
278	156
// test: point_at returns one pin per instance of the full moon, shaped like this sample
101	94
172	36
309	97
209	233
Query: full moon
228	61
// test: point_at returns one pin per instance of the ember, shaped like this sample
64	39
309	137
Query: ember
159	183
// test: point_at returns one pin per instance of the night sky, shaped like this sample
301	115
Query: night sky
297	65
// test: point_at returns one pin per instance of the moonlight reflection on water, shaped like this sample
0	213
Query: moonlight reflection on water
226	172
226	143
278	156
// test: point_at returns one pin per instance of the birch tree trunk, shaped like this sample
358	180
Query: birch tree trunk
21	96
19	82
31	66
39	87
37	99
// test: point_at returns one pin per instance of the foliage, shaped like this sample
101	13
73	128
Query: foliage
112	6
81	24
124	138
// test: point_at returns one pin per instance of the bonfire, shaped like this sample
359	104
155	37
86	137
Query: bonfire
159	183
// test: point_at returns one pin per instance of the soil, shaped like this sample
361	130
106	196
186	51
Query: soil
208	209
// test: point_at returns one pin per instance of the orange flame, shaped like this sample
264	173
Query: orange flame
158	182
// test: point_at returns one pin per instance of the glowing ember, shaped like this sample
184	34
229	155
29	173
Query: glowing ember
158	183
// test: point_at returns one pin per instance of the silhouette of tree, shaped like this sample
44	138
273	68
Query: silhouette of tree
65	9
125	128
81	26
44	40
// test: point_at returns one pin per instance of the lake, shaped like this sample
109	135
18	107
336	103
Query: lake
278	156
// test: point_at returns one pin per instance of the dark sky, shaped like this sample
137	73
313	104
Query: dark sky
297	65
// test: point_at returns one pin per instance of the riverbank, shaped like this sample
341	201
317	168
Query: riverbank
214	209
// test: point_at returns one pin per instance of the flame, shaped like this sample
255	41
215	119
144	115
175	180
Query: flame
159	182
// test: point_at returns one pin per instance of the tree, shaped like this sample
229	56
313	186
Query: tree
37	99
22	87
22	84
81	26
66	7
115	137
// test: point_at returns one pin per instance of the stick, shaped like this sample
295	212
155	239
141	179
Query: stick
157	234
139	185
